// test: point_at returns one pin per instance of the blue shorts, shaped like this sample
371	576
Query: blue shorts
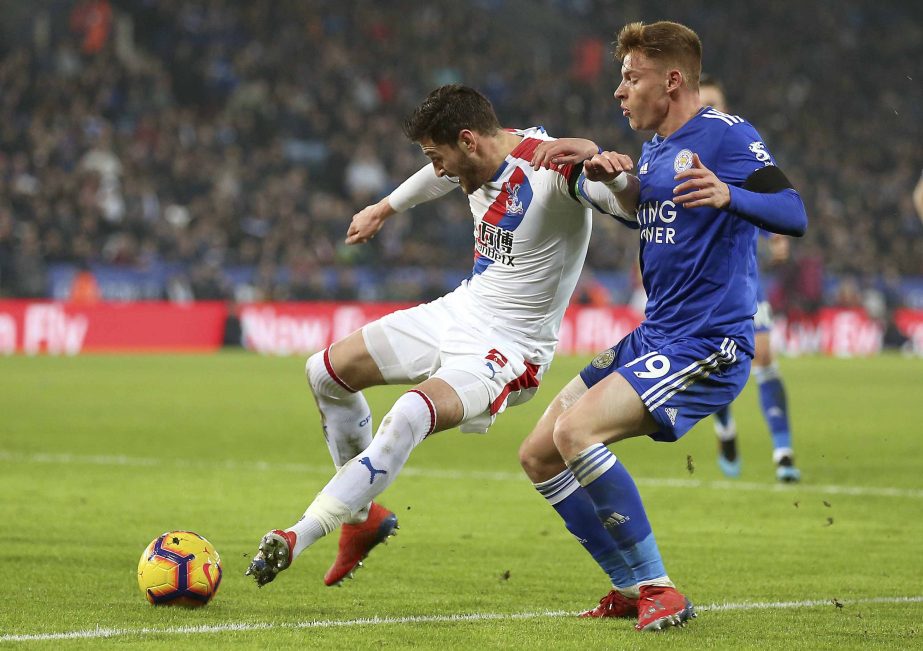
681	382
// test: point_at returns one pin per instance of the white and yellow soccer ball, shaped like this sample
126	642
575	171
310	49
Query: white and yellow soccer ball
179	568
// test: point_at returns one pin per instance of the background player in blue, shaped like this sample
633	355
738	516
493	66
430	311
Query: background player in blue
705	183
765	369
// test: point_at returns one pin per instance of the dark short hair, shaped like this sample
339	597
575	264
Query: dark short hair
447	111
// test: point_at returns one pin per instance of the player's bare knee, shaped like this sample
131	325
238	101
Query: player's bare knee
763	357
539	457
530	461
449	410
568	436
539	467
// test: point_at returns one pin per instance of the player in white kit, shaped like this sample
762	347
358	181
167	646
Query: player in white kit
471	353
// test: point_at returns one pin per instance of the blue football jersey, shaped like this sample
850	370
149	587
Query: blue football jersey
699	265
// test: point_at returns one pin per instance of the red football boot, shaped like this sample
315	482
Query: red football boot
614	604
357	540
660	607
274	555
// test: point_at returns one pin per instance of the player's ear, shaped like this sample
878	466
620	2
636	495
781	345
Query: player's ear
674	79
467	141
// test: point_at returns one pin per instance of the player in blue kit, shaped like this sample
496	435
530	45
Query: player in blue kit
765	370
705	183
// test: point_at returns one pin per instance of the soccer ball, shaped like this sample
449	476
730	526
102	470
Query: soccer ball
179	567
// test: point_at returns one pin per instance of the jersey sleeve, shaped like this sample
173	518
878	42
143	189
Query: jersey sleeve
741	162
596	195
423	186
740	153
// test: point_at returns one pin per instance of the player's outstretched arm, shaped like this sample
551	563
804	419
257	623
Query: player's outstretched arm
423	186
368	221
609	186
563	151
767	198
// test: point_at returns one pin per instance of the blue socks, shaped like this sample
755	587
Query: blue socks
575	507
775	405
618	505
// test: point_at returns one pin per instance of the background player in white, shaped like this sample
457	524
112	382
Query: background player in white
765	369
705	182
918	197
470	353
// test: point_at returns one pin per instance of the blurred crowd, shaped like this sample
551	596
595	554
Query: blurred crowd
222	147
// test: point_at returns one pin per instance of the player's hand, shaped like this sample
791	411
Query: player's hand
563	151
606	166
700	187
779	248
368	221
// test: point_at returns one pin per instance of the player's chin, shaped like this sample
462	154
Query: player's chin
640	122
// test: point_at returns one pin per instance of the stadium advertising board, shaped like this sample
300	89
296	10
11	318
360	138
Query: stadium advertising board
67	329
303	328
832	331
58	328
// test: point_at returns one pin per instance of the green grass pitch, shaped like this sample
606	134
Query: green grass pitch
98	454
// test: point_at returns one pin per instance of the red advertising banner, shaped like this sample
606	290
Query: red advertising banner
66	329
303	328
35	327
832	331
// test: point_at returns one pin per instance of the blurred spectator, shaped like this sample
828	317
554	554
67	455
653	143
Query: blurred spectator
918	197
590	291
84	288
801	283
92	19
208	283
848	294
28	266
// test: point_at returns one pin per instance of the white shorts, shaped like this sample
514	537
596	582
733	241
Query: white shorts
443	339
762	320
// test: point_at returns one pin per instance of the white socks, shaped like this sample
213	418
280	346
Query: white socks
726	432
345	415
364	477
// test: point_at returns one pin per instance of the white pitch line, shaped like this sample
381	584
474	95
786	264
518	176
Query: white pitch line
437	473
99	633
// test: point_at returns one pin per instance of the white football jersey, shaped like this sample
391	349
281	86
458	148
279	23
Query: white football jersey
530	240
531	232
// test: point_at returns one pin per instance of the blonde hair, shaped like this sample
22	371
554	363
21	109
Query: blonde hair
666	42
